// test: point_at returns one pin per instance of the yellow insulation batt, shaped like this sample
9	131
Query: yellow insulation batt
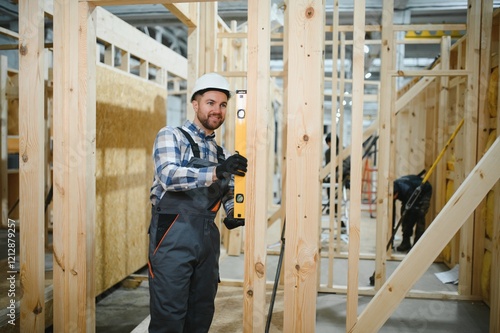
485	276
489	209
450	189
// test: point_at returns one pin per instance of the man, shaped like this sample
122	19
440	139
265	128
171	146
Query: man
415	216
193	178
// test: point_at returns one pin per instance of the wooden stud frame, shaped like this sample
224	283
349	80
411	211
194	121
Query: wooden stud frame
74	126
32	166
258	107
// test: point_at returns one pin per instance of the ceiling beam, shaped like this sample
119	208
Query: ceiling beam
145	2
181	11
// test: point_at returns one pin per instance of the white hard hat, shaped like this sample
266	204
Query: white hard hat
211	80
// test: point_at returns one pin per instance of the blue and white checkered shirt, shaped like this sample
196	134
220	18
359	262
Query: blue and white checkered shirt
171	154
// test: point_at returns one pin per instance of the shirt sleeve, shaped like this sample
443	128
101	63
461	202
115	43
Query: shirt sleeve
170	158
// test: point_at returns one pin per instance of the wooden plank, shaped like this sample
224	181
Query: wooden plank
456	103
406	27
339	159
414	91
462	204
74	166
430	27
495	241
258	108
193	54
428	72
142	2
182	12
135	2
9	33
122	35
470	132
305	137
384	132
4	146
209	46
442	107
31	168
283	144
356	163
495	262
333	162
482	136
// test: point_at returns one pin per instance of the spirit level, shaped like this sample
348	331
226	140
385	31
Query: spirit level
240	147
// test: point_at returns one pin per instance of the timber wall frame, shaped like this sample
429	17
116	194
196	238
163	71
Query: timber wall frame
74	126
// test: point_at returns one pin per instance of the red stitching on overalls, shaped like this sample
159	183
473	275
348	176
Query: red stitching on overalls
151	269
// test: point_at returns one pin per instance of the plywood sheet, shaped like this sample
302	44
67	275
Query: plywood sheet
130	111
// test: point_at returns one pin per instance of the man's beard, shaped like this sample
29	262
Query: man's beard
211	125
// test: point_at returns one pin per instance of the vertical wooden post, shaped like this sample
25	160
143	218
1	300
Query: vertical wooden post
358	83
284	135
495	247
207	37
470	133
441	134
482	135
495	259
385	115
3	141
342	155
193	54
459	175
31	164
333	160
305	119
259	32
74	166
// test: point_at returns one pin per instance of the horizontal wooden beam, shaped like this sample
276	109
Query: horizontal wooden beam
143	2
414	91
113	30
9	33
428	72
406	27
181	11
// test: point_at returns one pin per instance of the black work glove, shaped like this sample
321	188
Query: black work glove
230	222
234	165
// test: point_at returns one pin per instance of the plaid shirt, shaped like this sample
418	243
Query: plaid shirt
171	154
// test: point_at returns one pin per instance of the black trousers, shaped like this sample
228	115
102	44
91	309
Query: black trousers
415	218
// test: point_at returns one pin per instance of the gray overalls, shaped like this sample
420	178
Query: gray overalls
184	251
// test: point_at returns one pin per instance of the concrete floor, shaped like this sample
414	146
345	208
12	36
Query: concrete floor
124	309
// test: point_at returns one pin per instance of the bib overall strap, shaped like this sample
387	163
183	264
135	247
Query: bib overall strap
194	145
196	149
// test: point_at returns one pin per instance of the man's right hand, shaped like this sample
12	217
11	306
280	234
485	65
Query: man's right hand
234	165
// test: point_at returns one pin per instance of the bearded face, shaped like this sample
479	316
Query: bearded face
210	109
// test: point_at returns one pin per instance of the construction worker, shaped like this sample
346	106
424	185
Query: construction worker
193	177
415	216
